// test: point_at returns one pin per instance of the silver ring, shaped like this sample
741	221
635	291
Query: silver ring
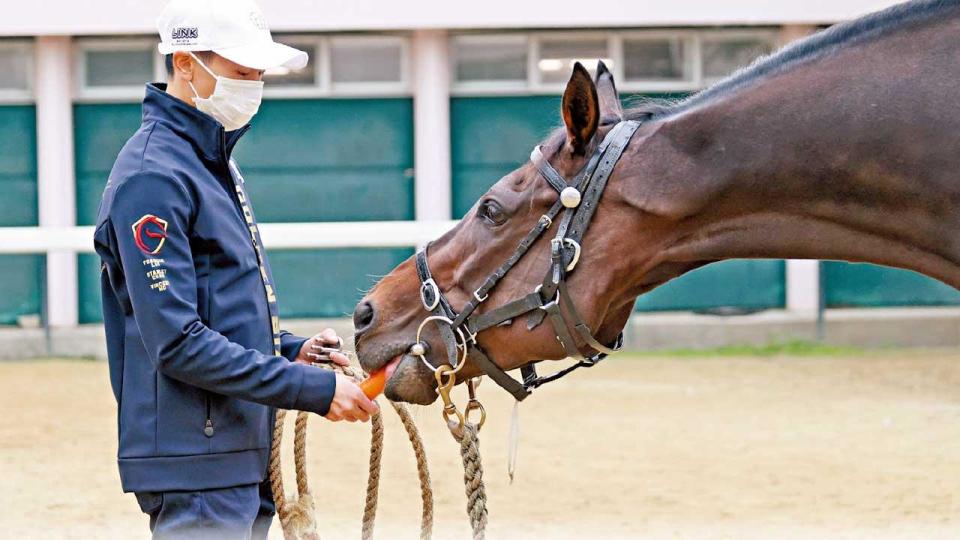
462	344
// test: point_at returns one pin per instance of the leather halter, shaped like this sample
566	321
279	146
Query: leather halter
578	200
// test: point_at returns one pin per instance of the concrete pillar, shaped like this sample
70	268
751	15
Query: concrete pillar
803	277
431	120
803	286
56	184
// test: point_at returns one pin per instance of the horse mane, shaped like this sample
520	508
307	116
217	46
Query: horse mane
844	34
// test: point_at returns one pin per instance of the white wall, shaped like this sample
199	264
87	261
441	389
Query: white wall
78	17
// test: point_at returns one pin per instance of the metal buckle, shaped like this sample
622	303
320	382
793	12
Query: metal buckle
546	221
551	303
569	243
477	296
436	294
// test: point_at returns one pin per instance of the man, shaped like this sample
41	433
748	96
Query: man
197	360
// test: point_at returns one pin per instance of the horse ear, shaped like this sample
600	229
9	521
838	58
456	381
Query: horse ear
611	111
580	109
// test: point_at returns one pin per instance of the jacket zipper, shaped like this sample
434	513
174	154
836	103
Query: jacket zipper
208	426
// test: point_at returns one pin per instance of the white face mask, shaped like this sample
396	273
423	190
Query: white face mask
233	101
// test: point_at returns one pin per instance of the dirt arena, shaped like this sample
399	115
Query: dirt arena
858	446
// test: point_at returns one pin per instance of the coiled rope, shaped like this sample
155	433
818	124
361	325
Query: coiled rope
298	514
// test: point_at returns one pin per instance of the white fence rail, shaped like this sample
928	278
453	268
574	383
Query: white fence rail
362	234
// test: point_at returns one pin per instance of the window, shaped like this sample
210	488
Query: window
365	60
16	61
342	66
540	62
656	59
722	55
116	69
132	67
558	55
490	58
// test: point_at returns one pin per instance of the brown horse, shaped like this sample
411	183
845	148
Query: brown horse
841	146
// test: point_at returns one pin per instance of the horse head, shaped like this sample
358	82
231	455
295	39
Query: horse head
387	320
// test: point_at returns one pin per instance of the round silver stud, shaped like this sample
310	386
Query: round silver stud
570	197
417	349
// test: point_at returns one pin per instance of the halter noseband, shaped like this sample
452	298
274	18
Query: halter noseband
578	200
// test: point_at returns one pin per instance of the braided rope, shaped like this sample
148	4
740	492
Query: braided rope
298	515
373	478
423	471
473	484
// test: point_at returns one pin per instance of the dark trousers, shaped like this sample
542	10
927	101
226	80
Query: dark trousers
240	512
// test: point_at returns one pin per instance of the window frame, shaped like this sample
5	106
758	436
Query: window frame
537	39
483	86
692	74
83	93
693	80
322	88
20	96
325	87
371	88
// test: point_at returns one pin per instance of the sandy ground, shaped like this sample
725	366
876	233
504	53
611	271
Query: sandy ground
740	448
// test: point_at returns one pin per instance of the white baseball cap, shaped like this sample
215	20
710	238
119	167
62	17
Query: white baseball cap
234	29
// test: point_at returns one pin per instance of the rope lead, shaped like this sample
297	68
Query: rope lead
298	514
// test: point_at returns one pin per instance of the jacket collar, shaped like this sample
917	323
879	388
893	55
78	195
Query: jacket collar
202	130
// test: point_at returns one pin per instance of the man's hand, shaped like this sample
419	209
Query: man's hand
349	403
323	347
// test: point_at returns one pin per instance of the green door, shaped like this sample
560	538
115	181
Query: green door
21	289
491	136
869	285
100	131
330	160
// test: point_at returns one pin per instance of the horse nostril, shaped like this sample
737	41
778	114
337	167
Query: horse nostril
362	317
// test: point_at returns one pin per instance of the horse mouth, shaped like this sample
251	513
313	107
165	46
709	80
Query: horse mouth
375	357
391	367
408	380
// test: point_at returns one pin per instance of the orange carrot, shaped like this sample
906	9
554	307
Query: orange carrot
373	385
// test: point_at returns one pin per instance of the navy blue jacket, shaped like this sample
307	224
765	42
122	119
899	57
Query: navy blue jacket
190	337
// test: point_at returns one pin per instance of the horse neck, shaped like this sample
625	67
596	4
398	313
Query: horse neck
851	157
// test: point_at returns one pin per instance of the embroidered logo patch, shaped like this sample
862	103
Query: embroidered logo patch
184	35
149	232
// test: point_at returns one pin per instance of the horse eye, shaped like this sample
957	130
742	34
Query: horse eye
492	212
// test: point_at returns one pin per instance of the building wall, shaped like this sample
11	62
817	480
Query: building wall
100	17
343	142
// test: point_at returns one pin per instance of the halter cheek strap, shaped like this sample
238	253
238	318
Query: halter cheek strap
551	299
